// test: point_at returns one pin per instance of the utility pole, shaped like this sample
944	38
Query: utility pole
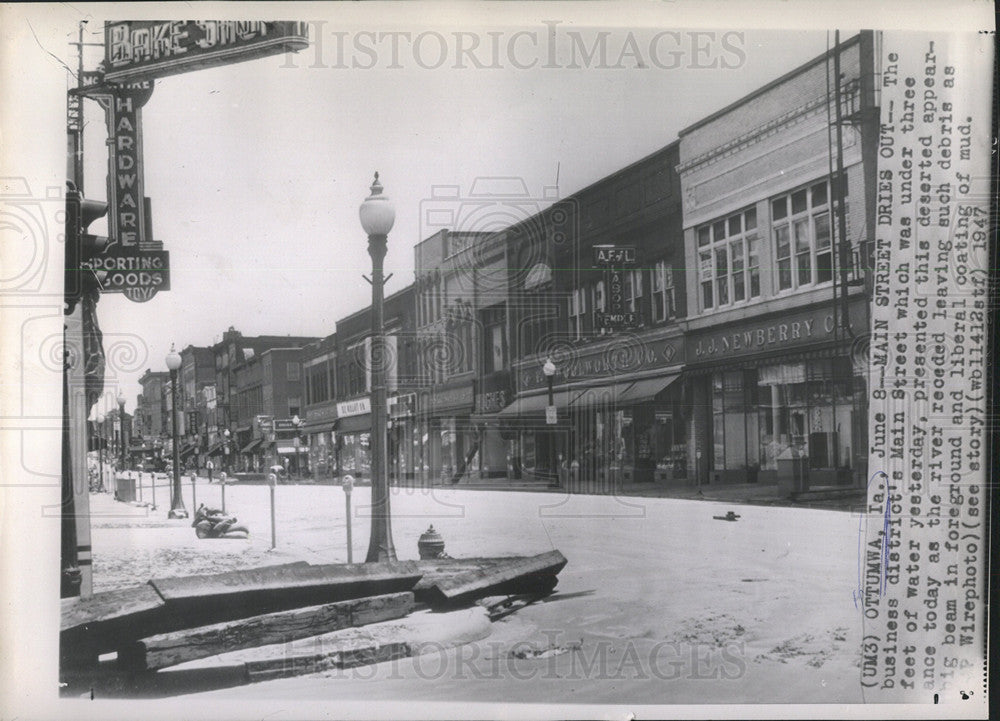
75	578
75	105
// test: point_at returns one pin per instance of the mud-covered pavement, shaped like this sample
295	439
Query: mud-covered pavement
659	603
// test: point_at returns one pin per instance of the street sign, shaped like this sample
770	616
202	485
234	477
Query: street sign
133	263
614	259
128	222
139	274
617	320
156	48
614	256
550	415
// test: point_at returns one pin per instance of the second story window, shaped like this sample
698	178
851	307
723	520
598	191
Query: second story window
494	355
497	344
599	304
355	366
292	371
729	260
802	239
633	290
577	311
664	301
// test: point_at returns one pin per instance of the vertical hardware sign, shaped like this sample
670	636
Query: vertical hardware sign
125	193
133	264
135	54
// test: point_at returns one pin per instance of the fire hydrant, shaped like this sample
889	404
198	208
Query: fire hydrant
430	545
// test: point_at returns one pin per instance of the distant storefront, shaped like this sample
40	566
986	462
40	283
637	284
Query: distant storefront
620	414
446	429
404	446
318	428
351	441
353	437
780	389
498	448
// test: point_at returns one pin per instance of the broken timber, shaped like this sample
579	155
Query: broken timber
507	576
365	654
145	624
111	620
169	649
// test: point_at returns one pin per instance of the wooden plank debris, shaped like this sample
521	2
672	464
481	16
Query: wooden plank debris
107	606
238	594
363	654
95	625
519	575
111	620
169	649
437	568
127	619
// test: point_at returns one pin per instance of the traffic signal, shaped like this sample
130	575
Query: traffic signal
81	246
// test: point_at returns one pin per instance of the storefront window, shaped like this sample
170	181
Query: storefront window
448	445
528	450
355	455
718	424
734	425
808	408
627	437
669	449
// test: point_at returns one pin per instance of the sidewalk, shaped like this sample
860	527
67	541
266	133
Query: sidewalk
843	499
833	498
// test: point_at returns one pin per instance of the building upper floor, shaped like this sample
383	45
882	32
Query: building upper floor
269	383
235	348
352	352
567	290
778	188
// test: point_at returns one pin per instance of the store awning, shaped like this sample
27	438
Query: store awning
188	450
648	388
251	445
318	426
485	417
355	424
535	405
610	394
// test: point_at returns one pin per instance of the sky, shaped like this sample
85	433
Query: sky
256	169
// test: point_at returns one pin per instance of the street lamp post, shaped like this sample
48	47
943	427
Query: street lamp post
121	427
296	443
549	369
177	509
100	451
377	215
226	452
